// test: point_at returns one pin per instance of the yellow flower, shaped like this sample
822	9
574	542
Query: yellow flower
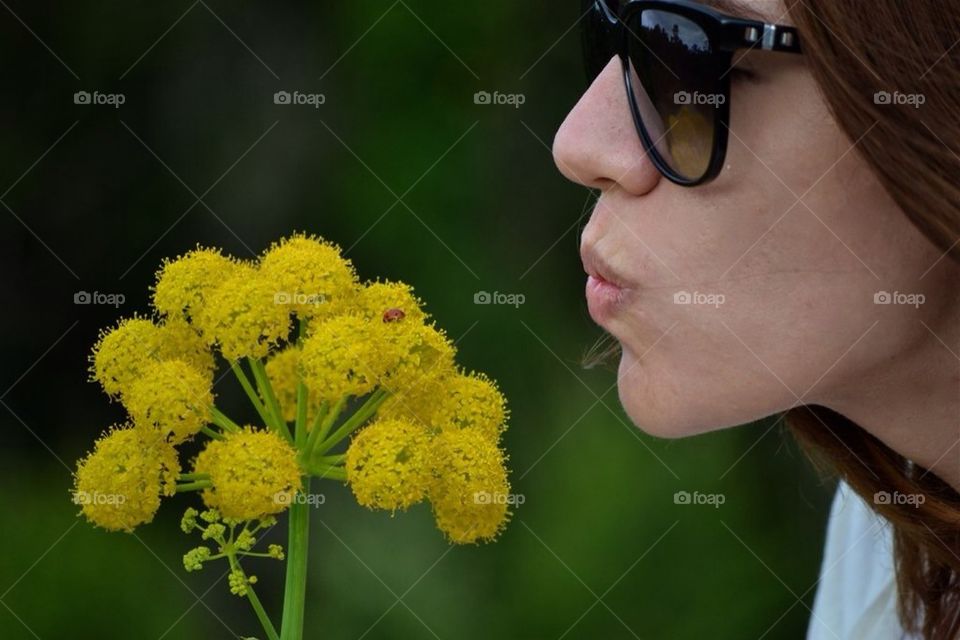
121	352
421	353
184	283
417	403
171	397
254	473
283	370
390	302
119	484
387	464
471	402
242	315
345	355
180	340
309	276
451	401
470	491
434	433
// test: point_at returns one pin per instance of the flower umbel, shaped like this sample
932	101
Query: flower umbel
253	474
310	276
120	353
471	402
170	397
470	492
345	356
119	484
390	302
347	382
184	283
387	464
242	317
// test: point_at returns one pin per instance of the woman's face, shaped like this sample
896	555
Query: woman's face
755	292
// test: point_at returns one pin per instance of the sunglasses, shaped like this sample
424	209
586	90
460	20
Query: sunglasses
677	61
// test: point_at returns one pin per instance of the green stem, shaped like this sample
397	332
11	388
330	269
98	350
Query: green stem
318	418
266	390
353	422
255	603
210	433
295	588
251	394
331	460
328	472
300	427
319	432
320	415
221	420
331	418
194	476
193	486
302	330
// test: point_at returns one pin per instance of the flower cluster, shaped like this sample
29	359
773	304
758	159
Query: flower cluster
234	539
439	442
252	474
325	361
119	484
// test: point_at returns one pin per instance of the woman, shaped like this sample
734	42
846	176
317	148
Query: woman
778	232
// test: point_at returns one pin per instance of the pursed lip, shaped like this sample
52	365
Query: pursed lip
597	267
605	288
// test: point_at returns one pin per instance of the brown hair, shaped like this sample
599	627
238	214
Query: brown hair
855	49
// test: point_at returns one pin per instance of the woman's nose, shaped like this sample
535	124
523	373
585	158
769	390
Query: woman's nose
597	145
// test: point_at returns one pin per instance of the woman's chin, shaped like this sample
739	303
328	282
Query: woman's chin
652	404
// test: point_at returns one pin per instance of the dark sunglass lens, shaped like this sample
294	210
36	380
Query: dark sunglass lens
676	88
597	33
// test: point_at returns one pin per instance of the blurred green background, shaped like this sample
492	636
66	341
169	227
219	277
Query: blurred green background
418	182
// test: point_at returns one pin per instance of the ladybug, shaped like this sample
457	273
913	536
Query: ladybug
393	315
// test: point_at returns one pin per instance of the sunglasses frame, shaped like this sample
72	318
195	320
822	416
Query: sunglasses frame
725	34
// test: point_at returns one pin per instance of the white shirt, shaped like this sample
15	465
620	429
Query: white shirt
857	594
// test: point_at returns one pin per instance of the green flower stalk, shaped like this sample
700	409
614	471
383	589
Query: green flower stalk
348	382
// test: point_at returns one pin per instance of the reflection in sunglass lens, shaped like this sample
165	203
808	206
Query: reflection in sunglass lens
675	88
